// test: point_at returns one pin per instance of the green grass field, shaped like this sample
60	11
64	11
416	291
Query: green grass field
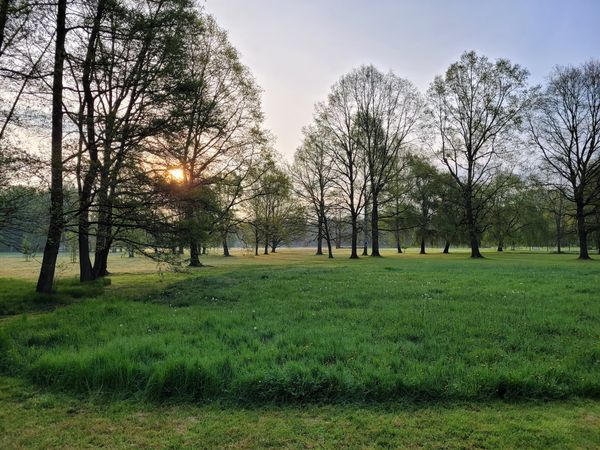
296	350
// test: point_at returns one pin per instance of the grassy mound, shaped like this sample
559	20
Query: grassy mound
443	328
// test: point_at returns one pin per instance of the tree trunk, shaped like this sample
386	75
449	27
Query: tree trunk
255	241
327	234
365	251
500	245
422	252
86	271
130	252
85	264
194	254
55	228
447	247
354	238
582	232
320	237
225	247
375	225
3	17
103	239
558	221
101	262
472	228
266	252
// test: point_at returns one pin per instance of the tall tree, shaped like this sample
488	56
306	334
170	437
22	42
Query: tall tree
475	108
566	129
55	228
388	109
425	194
219	113
312	173
338	117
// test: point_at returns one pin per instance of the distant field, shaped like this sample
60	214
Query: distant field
294	328
14	265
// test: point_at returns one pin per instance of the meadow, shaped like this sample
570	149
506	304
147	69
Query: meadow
498	352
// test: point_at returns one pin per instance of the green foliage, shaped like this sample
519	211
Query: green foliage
309	331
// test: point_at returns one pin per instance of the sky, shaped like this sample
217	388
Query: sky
298	49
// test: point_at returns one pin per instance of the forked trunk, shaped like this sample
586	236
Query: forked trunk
472	228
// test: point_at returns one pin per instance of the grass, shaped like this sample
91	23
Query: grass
34	419
294	350
401	328
17	296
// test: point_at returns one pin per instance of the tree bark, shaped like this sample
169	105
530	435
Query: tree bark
500	245
354	238
85	263
101	262
3	17
255	241
86	272
472	227
225	247
320	236
447	247
582	231
55	228
422	252
375	225
558	235
194	254
103	236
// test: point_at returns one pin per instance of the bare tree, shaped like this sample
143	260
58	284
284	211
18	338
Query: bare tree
566	129
475	107
388	109
312	173
338	118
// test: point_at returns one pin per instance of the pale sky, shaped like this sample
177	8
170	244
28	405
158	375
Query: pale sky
298	49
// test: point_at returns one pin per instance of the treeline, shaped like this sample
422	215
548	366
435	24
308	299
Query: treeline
157	146
482	155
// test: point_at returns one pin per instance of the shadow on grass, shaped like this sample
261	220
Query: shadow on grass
19	296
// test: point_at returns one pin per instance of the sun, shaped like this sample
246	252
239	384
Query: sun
176	174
